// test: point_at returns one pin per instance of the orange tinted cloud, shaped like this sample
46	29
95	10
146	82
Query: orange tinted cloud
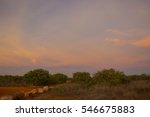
143	42
116	41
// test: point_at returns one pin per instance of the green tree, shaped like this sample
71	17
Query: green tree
110	76
37	77
81	77
60	78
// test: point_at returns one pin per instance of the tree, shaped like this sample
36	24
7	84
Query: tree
110	76
81	77
60	78
37	77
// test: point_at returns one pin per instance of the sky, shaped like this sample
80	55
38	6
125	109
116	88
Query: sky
74	35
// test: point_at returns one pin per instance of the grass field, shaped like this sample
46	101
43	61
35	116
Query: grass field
136	90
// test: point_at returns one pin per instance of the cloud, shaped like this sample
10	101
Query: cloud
142	42
73	34
117	32
130	37
116	41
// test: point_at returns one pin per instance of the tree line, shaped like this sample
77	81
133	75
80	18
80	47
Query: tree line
40	77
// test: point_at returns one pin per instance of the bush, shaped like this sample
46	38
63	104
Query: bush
37	77
139	77
81	77
59	78
9	80
110	76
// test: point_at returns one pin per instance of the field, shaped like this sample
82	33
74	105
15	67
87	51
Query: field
103	85
136	90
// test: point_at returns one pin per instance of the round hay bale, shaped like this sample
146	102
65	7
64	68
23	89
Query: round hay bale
34	91
45	88
40	90
27	94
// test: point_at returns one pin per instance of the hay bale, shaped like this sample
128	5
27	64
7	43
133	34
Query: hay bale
40	90
45	88
34	91
27	94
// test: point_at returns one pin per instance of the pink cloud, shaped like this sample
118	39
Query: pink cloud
116	41
117	32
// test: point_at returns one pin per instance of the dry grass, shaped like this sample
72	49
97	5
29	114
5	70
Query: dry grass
135	90
139	89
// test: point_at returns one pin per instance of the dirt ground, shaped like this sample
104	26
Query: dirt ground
13	90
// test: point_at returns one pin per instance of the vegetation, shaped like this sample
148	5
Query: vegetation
40	77
9	80
132	91
106	76
104	84
110	76
37	77
81	77
139	77
59	78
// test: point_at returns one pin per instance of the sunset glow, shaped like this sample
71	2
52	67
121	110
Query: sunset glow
72	35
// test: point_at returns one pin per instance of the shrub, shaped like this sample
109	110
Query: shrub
37	77
81	77
59	78
9	80
110	76
139	77
57	91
